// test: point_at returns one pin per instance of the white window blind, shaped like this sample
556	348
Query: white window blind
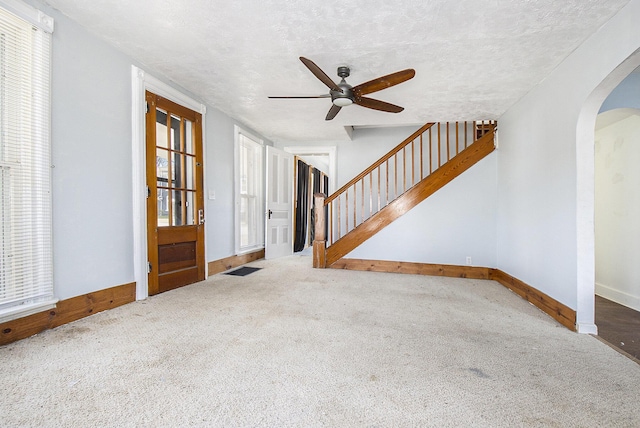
26	277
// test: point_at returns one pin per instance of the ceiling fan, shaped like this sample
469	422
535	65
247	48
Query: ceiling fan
342	94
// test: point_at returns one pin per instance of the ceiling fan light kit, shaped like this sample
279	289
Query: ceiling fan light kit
342	101
342	94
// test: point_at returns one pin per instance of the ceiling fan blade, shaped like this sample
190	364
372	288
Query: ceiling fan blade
384	82
320	74
302	97
377	105
332	112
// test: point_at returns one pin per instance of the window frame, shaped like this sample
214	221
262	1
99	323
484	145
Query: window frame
258	185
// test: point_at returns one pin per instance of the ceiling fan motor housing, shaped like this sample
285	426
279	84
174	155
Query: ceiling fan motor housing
345	97
344	71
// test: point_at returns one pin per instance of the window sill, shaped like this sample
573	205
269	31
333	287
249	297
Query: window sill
21	311
250	250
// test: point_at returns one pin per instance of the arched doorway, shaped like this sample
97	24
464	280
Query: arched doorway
585	209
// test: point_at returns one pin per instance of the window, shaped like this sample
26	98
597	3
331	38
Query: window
26	277
249	192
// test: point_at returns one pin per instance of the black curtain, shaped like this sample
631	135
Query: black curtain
325	190
316	189
302	195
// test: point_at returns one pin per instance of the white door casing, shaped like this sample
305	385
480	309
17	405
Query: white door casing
279	196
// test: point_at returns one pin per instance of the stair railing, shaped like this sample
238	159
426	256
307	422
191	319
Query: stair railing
403	167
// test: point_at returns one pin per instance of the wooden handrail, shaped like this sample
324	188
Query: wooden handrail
379	162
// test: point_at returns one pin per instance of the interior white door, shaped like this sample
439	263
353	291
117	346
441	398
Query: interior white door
279	216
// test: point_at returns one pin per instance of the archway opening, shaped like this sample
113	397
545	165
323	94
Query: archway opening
585	222
617	217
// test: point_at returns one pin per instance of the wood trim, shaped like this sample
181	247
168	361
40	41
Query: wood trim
558	311
151	200
67	311
319	254
453	271
227	263
412	197
179	278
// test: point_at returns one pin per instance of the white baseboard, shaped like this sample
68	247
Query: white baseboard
625	299
583	328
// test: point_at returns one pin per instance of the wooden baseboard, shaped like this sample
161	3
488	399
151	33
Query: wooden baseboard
454	271
67	311
227	263
558	311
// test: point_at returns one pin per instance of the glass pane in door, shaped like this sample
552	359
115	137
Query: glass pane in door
188	137
178	169
161	129
189	171
177	214
163	207
189	208
176	133
162	167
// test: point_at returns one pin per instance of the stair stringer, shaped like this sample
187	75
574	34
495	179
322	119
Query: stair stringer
411	198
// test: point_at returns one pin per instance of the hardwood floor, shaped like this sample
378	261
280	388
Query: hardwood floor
619	326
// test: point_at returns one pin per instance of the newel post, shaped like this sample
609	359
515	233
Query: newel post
319	241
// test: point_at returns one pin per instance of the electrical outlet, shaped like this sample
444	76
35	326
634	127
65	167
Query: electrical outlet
468	260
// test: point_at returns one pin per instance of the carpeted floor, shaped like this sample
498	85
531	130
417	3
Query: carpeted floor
289	346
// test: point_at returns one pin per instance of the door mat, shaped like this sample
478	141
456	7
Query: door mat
243	271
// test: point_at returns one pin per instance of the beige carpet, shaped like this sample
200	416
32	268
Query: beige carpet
289	346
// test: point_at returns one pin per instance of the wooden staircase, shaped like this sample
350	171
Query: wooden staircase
408	174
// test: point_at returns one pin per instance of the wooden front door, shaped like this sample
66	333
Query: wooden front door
175	202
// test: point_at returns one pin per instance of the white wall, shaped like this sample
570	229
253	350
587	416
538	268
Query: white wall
319	162
92	155
456	222
545	224
366	147
617	218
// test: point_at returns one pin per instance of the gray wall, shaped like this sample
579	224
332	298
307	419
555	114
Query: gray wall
625	95
92	155
219	165
91	139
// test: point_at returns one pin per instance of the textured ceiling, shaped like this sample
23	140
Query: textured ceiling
473	58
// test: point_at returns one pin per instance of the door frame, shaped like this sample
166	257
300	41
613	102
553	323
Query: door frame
319	150
141	81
